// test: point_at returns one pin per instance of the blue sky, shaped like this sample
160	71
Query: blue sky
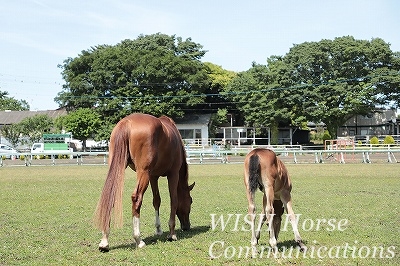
37	35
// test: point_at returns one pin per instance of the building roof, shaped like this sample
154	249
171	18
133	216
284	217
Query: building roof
194	119
12	117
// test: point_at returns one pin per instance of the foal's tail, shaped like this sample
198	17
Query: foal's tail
254	172
111	196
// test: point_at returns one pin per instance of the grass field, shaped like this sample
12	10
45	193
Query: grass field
46	213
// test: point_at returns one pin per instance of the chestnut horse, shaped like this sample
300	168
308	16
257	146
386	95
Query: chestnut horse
152	147
264	170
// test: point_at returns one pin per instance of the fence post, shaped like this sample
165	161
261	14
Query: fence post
366	157
342	157
28	160
395	160
318	160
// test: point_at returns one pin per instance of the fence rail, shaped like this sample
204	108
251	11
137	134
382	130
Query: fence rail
289	154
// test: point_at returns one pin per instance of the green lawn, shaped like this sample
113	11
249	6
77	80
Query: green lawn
46	213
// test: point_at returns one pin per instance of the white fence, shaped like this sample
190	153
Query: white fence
295	155
288	154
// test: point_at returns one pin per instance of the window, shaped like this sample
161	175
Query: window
197	133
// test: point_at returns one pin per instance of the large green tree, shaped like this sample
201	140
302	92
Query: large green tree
257	99
10	103
333	80
83	123
12	133
328	81
33	127
156	74
219	80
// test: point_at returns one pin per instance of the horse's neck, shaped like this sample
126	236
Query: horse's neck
183	172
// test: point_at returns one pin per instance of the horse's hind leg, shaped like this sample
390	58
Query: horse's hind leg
287	201
252	214
255	235
269	212
156	204
103	246
137	198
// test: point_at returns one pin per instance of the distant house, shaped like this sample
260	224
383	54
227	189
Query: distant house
383	122
194	128
13	117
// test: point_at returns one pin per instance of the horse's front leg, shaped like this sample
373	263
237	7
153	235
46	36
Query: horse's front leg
173	194
278	209
286	199
137	198
268	200
156	204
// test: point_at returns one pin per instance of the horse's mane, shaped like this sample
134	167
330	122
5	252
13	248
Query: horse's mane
184	171
167	118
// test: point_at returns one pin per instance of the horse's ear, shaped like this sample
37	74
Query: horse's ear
191	186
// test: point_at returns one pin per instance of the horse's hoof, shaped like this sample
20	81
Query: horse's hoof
172	238
141	244
272	243
302	246
104	249
254	252
159	232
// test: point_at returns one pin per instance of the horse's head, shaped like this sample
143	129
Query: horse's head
184	206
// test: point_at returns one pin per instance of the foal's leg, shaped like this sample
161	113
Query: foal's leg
137	198
269	212
173	194
156	203
287	201
252	213
278	209
255	235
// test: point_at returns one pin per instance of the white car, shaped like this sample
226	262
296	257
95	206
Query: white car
7	149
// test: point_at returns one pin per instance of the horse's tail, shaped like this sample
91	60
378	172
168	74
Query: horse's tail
254	172
111	196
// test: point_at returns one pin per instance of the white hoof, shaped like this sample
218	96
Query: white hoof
141	244
104	247
272	243
172	238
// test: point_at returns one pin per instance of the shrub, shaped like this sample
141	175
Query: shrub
326	135
388	140
374	140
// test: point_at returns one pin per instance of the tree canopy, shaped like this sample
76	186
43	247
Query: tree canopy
156	74
328	81
83	123
10	103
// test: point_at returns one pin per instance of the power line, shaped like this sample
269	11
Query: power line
222	94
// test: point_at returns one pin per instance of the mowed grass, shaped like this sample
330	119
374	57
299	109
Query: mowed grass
46	218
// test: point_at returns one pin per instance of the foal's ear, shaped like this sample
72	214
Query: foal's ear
191	186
